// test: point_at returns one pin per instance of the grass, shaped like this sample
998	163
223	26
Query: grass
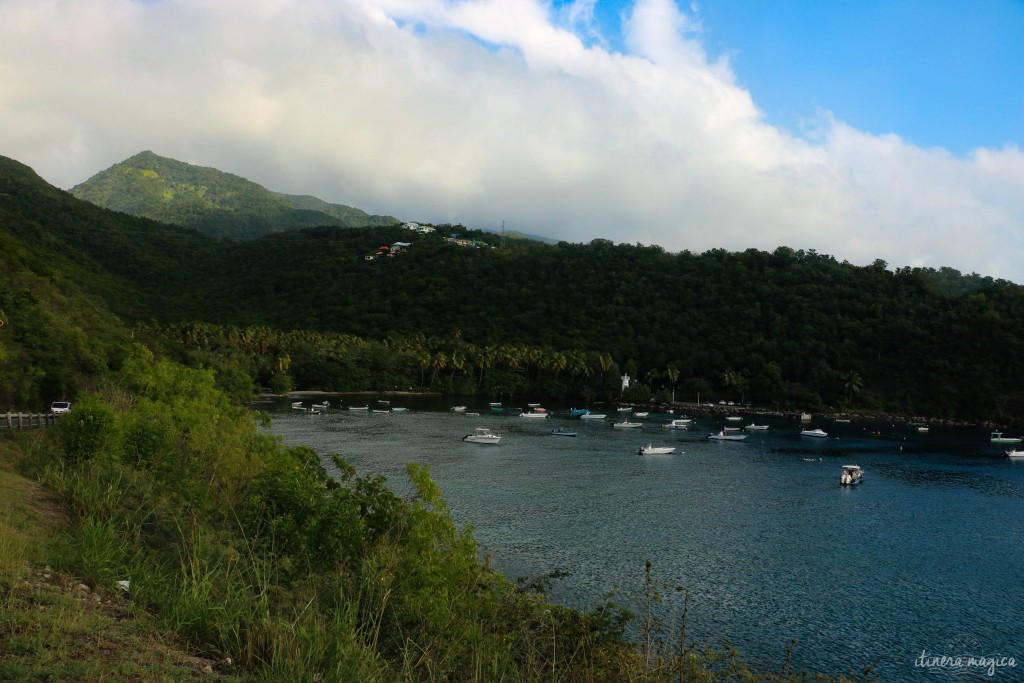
53	626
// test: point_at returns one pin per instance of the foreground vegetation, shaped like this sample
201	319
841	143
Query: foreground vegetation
289	566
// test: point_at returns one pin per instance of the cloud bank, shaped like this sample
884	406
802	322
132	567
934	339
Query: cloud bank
483	111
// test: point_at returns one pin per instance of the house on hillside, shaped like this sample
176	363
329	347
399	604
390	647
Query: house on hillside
417	228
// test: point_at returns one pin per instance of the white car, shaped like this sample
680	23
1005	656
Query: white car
60	406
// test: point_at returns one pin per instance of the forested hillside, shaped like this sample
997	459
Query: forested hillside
213	202
788	328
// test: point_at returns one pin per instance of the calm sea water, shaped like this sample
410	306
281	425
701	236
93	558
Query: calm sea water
926	557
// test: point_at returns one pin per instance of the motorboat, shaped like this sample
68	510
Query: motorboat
366	408
399	410
726	436
376	410
297	405
626	424
733	429
578	411
535	413
655	450
625	409
1014	453
497	408
458	409
814	432
733	418
322	406
593	416
679	423
997	437
756	427
563	431
851	476
923	430
482	435
643	414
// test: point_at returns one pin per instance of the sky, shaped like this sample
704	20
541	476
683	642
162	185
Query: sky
863	129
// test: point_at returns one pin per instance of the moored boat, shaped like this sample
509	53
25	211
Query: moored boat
818	433
1014	453
851	476
997	437
593	416
366	408
726	436
399	410
482	435
535	413
679	423
563	431
655	450
756	427
578	411
626	424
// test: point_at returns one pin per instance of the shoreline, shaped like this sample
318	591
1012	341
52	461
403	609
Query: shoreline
712	408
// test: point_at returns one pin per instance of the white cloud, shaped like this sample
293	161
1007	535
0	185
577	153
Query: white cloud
483	111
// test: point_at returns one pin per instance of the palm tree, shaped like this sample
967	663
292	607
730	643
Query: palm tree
854	383
439	362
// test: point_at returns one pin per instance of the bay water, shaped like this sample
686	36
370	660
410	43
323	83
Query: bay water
915	571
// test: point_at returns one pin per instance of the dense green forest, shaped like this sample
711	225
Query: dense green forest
275	562
213	202
790	328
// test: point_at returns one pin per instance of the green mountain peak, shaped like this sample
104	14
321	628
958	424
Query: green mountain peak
211	201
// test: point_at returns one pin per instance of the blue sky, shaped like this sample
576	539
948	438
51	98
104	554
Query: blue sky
861	129
935	72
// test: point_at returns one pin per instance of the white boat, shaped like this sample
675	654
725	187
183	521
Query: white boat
655	450
563	431
359	408
1015	454
733	418
997	437
482	435
593	416
626	409
626	424
679	423
535	414
756	427
922	429
297	405
458	409
733	429
380	411
399	410
644	414
851	476
383	402
813	432
472	414
726	436
322	406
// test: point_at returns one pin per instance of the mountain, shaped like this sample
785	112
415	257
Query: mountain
788	327
213	202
